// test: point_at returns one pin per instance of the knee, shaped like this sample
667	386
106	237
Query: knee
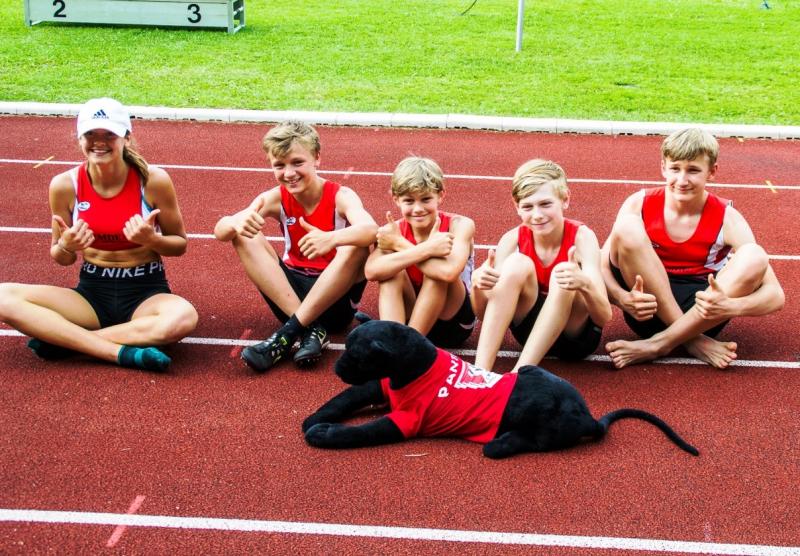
754	255
629	233
180	325
517	269
351	255
9	298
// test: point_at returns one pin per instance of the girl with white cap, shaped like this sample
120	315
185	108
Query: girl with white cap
121	215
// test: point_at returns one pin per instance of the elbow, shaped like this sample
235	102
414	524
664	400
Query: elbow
369	235
373	273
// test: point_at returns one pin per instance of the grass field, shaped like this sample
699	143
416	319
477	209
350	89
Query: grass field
721	61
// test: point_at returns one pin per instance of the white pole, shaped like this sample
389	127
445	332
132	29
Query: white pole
520	17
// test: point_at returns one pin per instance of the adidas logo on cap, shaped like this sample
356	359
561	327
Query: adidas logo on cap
104	113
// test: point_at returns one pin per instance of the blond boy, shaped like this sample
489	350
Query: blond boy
544	282
423	261
680	261
318	281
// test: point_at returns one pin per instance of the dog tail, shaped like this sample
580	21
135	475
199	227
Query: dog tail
606	420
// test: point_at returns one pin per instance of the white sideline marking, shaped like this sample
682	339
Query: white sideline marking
385	532
755	363
388	174
278	239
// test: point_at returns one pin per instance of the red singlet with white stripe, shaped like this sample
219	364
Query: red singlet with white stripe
325	217
702	254
527	246
106	217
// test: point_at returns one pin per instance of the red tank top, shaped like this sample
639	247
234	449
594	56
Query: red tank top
700	255
527	246
325	217
414	273
106	217
452	398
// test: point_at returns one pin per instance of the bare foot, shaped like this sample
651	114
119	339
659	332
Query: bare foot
715	353
625	353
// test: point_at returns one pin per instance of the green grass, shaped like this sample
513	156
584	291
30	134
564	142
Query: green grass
652	60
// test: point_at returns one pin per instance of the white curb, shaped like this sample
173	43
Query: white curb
442	121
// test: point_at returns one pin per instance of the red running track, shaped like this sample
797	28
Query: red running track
212	440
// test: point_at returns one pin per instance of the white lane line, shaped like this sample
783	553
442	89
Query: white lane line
278	239
387	532
747	363
388	174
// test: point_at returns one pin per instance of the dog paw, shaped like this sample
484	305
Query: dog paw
322	435
319	417
310	421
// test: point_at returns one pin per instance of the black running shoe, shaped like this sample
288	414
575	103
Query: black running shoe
262	356
313	342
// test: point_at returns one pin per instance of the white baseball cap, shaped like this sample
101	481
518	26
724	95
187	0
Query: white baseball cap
104	113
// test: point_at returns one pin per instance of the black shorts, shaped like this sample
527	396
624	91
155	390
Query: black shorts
337	317
683	289
454	332
115	293
566	346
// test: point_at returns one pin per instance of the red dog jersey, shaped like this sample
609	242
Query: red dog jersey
527	246
106	217
700	255
452	398
325	217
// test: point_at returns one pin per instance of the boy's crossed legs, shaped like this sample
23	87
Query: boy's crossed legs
327	300
632	254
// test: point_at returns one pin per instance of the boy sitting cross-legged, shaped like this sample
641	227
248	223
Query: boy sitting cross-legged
317	283
680	261
424	261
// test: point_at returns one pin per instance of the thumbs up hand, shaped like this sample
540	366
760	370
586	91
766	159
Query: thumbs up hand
251	221
713	303
637	303
73	238
486	276
389	237
141	230
315	243
569	275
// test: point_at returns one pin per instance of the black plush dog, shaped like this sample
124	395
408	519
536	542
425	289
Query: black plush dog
434	393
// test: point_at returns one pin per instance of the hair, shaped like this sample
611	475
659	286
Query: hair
279	140
690	143
133	158
416	174
536	173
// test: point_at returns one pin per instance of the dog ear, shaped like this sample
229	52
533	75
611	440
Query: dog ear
381	353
